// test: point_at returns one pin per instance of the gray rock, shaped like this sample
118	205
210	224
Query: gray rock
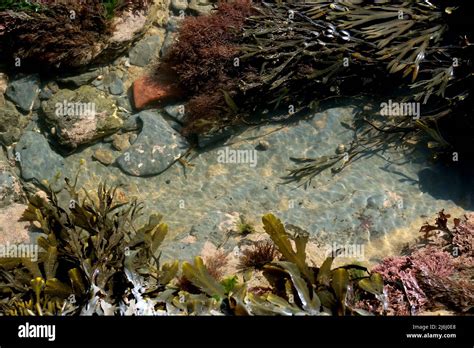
10	188
124	102
145	50
106	157
45	93
157	147
80	80
132	123
12	123
176	111
132	138
179	5
175	125
198	8
87	116
38	162
24	91
173	24
170	39
116	86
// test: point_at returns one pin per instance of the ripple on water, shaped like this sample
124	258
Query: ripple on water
362	204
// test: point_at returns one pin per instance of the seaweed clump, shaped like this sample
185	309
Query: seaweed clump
435	274
58	35
91	257
284	59
204	61
258	255
94	260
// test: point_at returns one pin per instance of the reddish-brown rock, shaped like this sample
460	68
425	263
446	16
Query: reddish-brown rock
157	89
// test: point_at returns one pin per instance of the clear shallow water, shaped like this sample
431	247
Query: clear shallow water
371	203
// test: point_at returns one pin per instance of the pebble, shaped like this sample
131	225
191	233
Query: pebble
120	142
104	156
23	92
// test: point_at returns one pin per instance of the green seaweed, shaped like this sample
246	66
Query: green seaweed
200	277
281	238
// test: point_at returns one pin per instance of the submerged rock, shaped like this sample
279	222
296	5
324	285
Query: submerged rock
10	187
179	5
23	92
157	147
13	231
173	24
81	79
104	156
81	116
170	39
176	111
38	162
145	50
12	123
199	8
120	142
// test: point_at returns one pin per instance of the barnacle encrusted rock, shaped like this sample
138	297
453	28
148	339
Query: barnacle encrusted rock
81	116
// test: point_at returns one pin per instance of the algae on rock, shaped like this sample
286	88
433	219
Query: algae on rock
81	116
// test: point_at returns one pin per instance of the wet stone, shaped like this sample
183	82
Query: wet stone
38	162
145	50
116	87
157	147
12	123
169	41
81	79
84	115
23	92
104	156
120	142
176	111
179	5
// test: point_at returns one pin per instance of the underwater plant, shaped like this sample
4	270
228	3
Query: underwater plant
435	274
248	62
258	255
91	259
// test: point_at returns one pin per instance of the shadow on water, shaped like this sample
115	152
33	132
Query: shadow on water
449	183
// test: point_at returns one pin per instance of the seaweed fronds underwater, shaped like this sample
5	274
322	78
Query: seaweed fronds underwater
94	260
264	60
